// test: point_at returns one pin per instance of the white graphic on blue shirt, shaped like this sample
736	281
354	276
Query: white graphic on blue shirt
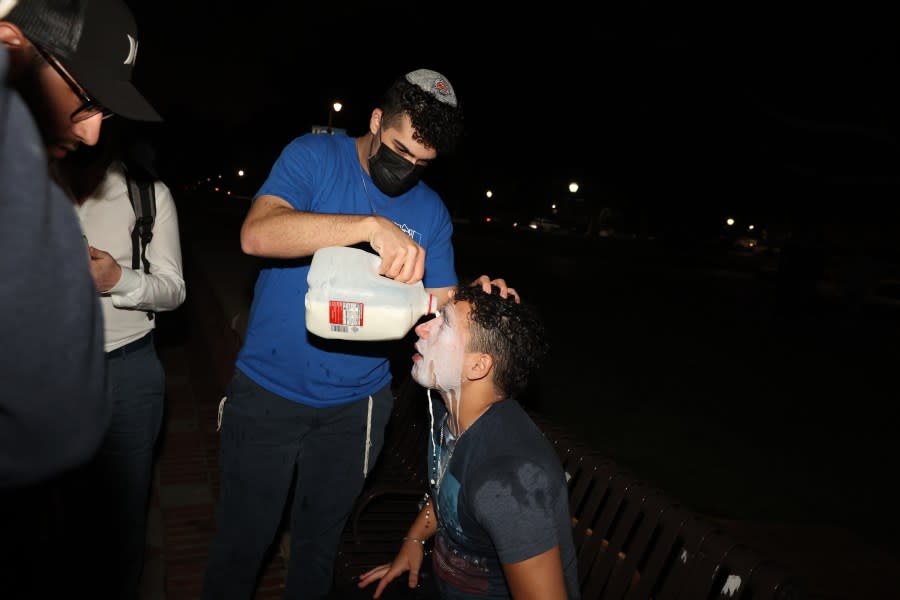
412	233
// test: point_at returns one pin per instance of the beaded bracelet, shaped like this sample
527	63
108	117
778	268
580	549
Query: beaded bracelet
412	539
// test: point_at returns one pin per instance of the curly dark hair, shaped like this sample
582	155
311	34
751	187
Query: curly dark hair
512	333
436	124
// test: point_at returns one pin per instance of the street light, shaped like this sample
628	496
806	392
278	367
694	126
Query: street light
336	107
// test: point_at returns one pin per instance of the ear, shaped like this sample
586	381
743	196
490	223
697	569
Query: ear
11	36
480	366
375	121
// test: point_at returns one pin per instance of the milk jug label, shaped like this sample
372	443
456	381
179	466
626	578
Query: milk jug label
343	315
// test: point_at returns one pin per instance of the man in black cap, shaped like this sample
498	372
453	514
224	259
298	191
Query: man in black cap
72	62
57	86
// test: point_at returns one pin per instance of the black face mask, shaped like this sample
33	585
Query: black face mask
392	173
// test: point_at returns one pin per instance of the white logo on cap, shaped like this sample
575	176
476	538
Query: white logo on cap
132	50
6	6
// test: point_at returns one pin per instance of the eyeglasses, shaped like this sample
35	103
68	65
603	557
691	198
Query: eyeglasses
89	107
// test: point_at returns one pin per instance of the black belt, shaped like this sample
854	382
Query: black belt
131	346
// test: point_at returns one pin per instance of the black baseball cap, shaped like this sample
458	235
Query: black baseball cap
97	43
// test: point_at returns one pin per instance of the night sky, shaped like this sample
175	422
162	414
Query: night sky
770	111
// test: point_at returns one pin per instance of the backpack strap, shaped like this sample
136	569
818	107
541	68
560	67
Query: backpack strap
143	200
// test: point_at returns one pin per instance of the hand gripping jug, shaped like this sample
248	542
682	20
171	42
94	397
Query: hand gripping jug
349	300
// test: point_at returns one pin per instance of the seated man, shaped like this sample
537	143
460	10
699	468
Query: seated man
498	503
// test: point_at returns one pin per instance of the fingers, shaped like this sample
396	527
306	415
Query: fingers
505	291
413	578
512	292
98	252
406	265
385	574
373	575
388	577
402	258
484	282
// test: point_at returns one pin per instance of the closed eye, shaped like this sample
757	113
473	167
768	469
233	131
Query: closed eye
404	151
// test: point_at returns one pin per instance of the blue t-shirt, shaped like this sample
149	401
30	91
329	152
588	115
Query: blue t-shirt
500	498
321	173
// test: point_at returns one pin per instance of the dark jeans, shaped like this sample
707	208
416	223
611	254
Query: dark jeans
106	503
265	440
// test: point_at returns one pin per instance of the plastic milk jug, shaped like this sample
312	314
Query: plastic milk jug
349	300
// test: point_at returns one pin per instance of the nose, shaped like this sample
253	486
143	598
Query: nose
88	131
423	330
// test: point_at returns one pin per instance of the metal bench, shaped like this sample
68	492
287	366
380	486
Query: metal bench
633	541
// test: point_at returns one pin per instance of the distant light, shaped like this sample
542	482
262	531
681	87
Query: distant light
240	172
573	187
217	189
553	206
488	219
729	221
337	106
515	223
750	227
489	194
228	193
220	177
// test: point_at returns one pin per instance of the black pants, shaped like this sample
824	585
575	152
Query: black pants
265	440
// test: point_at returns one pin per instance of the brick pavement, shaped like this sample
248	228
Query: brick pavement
186	486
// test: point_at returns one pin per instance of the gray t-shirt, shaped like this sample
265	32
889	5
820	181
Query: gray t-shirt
500	499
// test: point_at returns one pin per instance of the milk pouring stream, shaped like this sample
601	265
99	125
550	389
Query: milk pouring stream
349	300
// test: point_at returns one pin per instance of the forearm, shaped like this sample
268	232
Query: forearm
160	291
409	557
424	527
276	230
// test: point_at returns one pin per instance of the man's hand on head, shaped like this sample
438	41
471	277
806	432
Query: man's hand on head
505	291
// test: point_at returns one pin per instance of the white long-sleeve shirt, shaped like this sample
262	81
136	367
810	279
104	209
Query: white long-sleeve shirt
107	220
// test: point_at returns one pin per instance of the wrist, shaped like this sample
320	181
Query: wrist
127	281
409	538
370	222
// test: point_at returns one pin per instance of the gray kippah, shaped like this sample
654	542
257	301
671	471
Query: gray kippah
434	83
